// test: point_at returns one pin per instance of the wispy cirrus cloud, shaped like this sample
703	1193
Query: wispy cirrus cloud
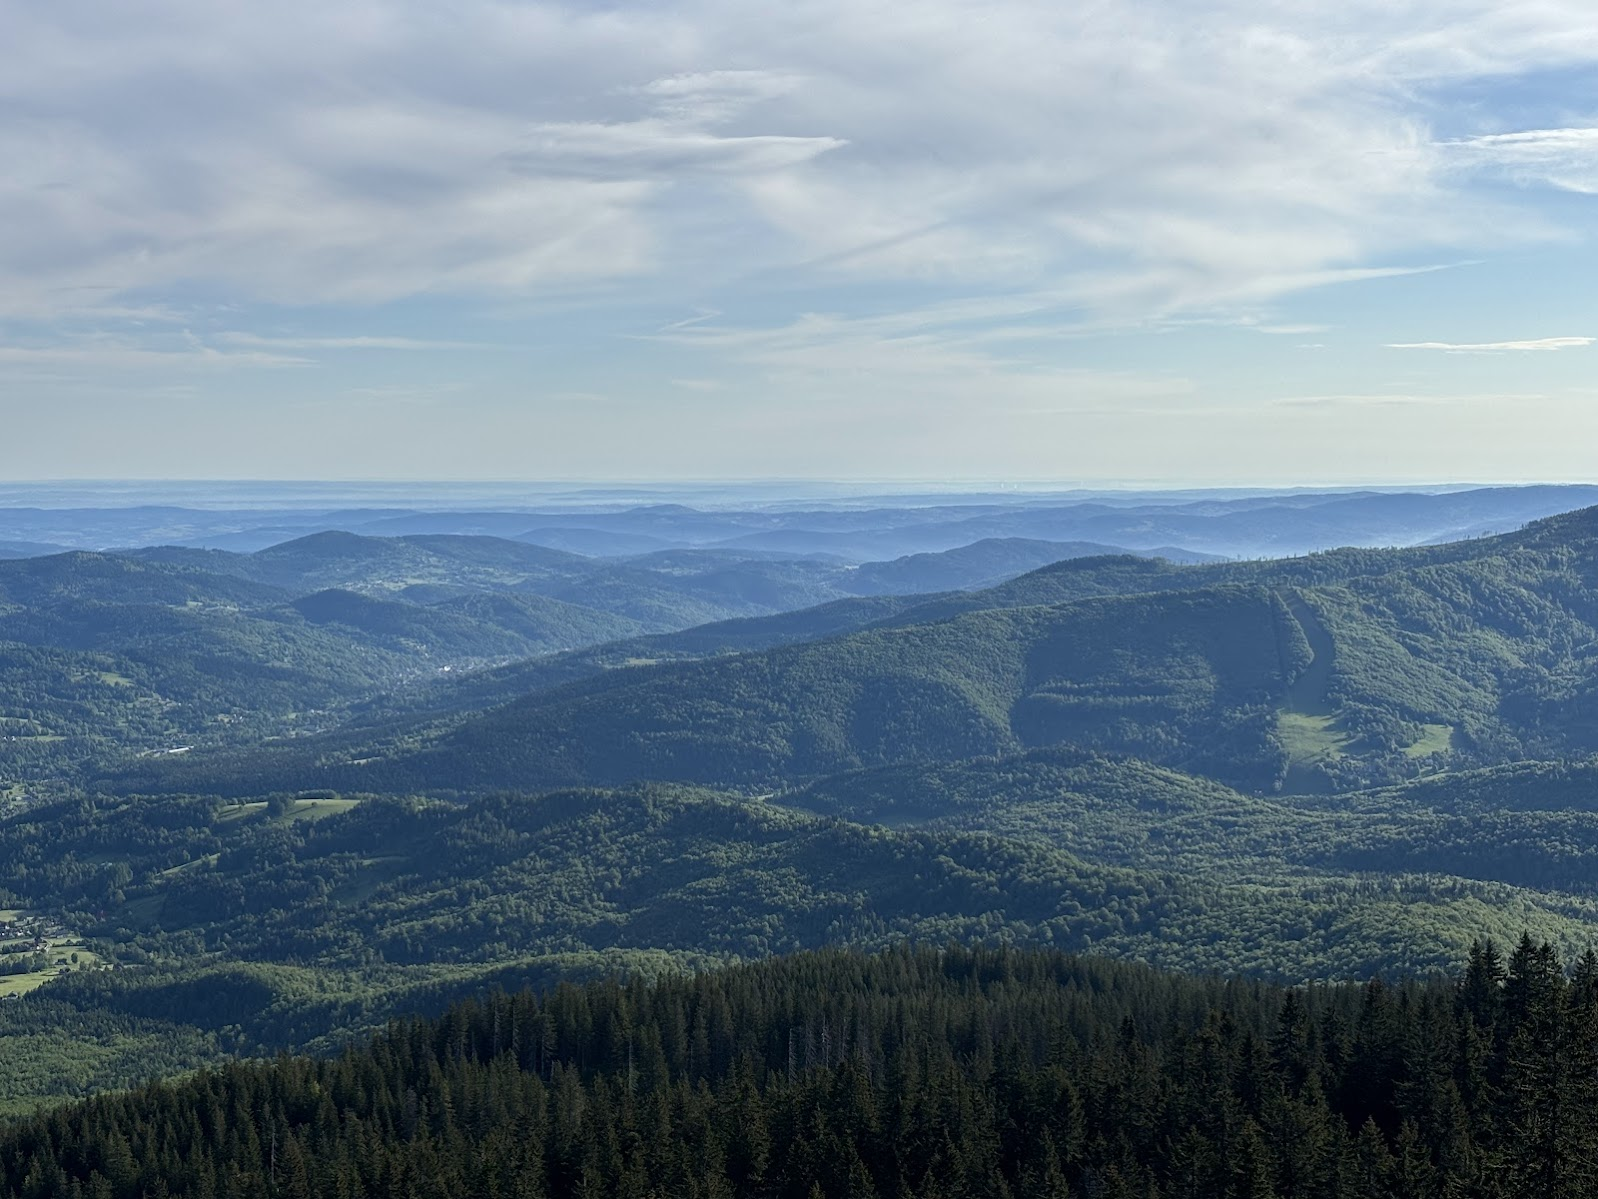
920	229
358	153
123	356
1535	344
1376	400
414	344
1566	159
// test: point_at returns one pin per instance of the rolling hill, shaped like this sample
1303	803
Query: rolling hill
1336	671
104	655
1184	677
29	549
659	591
173	647
1354	761
331	882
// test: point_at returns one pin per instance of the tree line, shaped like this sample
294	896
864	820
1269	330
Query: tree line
916	1072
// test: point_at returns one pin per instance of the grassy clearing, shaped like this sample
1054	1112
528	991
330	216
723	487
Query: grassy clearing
1309	742
60	958
22	984
1436	739
241	811
298	810
1311	739
205	860
319	809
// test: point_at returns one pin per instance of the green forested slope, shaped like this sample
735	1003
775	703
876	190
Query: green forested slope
1561	541
981	564
382	564
658	592
1453	655
476	626
487	688
37	583
416	882
102	656
1176	765
980	1073
296	921
1186	678
1532	825
86	681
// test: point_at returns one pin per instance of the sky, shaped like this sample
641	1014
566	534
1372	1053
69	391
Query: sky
1143	242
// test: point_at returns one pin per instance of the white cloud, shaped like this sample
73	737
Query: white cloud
1492	347
343	343
1563	159
1142	156
1294	330
917	366
119	357
709	97
642	149
1566	159
1380	400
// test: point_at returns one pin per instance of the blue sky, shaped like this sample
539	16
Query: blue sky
1138	241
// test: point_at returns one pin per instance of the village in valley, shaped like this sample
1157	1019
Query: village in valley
35	949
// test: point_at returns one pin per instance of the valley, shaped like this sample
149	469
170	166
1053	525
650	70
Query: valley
798	601
274	800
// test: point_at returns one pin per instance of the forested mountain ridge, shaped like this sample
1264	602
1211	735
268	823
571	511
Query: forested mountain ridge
861	528
105	655
990	1074
1178	677
666	590
982	564
1312	767
1404	686
28	549
1338	671
482	689
1529	824
409	882
334	558
1569	533
32	583
297	921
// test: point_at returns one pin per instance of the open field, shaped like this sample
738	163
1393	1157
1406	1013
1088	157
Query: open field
1309	740
63	952
1436	739
298	810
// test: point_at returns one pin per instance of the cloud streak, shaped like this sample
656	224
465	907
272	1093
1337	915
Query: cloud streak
131	357
413	344
364	152
1566	159
950	234
1535	345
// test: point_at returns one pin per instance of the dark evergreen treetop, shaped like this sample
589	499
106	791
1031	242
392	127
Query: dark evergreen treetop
965	1072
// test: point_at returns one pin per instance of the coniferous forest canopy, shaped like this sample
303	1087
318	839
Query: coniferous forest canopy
957	1073
1012	846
